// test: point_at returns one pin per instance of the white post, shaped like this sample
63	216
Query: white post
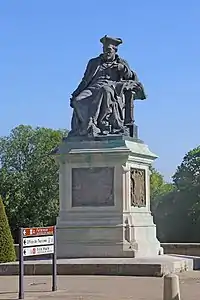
171	290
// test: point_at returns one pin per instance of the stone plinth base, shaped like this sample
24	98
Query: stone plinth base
105	199
153	266
106	237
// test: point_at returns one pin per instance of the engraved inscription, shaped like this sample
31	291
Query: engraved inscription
93	186
138	187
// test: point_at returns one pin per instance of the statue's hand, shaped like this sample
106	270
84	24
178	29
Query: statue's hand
120	67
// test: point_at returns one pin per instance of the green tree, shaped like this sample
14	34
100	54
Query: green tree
172	218
187	175
177	214
187	180
161	196
7	251
29	176
158	187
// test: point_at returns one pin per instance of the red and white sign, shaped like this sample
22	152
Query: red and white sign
31	251
36	231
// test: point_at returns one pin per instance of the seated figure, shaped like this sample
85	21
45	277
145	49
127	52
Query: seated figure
100	101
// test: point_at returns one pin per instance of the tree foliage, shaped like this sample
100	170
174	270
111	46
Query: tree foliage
29	176
7	251
187	175
158	187
178	213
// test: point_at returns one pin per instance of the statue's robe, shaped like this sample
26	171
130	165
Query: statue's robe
99	97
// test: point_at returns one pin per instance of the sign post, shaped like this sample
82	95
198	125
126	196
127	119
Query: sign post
37	241
54	270
21	265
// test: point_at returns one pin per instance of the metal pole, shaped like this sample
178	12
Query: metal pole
21	265
54	271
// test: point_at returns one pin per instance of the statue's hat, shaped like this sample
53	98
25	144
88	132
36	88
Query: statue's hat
110	40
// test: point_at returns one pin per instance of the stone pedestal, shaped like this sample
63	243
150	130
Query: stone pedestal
105	199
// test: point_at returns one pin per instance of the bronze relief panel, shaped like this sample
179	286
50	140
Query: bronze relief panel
93	186
138	187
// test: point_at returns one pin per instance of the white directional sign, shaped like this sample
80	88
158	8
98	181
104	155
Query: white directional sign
31	251
37	241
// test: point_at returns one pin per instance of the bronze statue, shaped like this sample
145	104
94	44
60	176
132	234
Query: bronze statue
103	101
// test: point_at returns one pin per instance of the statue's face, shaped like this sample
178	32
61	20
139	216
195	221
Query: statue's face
109	51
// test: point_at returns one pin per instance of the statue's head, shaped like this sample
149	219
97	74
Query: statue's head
110	46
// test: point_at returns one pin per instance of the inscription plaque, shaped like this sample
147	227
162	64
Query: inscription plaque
93	186
138	187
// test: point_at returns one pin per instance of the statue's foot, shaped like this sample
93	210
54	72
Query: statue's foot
103	126
102	133
83	132
117	131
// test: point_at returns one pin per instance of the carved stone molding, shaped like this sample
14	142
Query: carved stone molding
125	168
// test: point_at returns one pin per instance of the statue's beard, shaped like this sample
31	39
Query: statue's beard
109	56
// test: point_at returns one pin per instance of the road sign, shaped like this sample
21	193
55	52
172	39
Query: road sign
31	251
36	231
37	241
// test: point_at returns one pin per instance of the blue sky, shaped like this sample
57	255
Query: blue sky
45	45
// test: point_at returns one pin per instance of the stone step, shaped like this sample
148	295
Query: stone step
152	266
196	260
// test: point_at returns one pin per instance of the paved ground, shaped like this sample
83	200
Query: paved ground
98	287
